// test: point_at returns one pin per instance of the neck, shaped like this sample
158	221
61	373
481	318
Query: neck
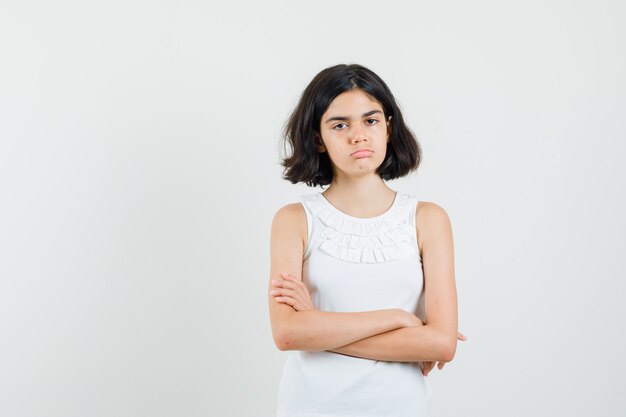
365	196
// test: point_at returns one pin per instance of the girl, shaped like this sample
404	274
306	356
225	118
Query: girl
362	289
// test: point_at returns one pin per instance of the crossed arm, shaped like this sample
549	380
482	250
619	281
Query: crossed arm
390	335
401	337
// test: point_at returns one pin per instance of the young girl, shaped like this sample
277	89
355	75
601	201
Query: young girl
362	288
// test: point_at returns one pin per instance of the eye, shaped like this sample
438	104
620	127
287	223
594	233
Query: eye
338	126
372	121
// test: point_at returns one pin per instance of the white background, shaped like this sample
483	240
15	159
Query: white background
139	174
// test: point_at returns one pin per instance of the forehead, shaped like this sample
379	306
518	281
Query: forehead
352	103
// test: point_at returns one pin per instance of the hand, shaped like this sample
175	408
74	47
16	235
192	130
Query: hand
409	319
293	292
428	366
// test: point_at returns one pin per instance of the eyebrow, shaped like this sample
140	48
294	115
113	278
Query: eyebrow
369	113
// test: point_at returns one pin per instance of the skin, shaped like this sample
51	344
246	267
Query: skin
355	121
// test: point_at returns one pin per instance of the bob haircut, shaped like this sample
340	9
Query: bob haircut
302	131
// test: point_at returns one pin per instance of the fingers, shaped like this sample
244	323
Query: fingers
427	367
291	291
286	284
287	288
292	282
461	336
295	301
291	278
289	281
290	301
283	292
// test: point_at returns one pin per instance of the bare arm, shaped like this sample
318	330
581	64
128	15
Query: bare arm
436	340
408	344
315	330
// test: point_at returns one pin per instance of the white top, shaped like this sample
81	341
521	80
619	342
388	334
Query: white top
355	264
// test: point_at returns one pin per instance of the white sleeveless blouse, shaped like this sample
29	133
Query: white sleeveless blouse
355	264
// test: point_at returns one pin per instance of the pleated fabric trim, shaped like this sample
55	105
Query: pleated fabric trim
385	238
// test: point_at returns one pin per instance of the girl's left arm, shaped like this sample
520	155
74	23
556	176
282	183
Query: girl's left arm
436	340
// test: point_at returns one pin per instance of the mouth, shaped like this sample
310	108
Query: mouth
361	153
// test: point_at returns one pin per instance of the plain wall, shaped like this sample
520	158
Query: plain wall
139	174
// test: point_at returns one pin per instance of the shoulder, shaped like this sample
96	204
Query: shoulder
289	213
290	218
430	212
432	222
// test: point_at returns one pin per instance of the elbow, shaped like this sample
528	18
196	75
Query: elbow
293	334
283	343
448	349
284	339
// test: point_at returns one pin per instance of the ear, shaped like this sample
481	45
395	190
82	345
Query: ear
389	129
320	145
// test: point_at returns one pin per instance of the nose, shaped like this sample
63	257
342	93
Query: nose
358	134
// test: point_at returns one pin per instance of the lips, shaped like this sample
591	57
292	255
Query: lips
362	153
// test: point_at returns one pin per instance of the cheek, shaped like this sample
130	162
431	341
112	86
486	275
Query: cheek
336	153
335	146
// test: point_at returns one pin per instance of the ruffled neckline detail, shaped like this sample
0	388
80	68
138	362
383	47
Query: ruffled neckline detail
383	238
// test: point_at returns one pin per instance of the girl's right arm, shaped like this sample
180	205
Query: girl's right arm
314	330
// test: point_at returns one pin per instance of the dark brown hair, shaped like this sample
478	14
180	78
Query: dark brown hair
302	131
